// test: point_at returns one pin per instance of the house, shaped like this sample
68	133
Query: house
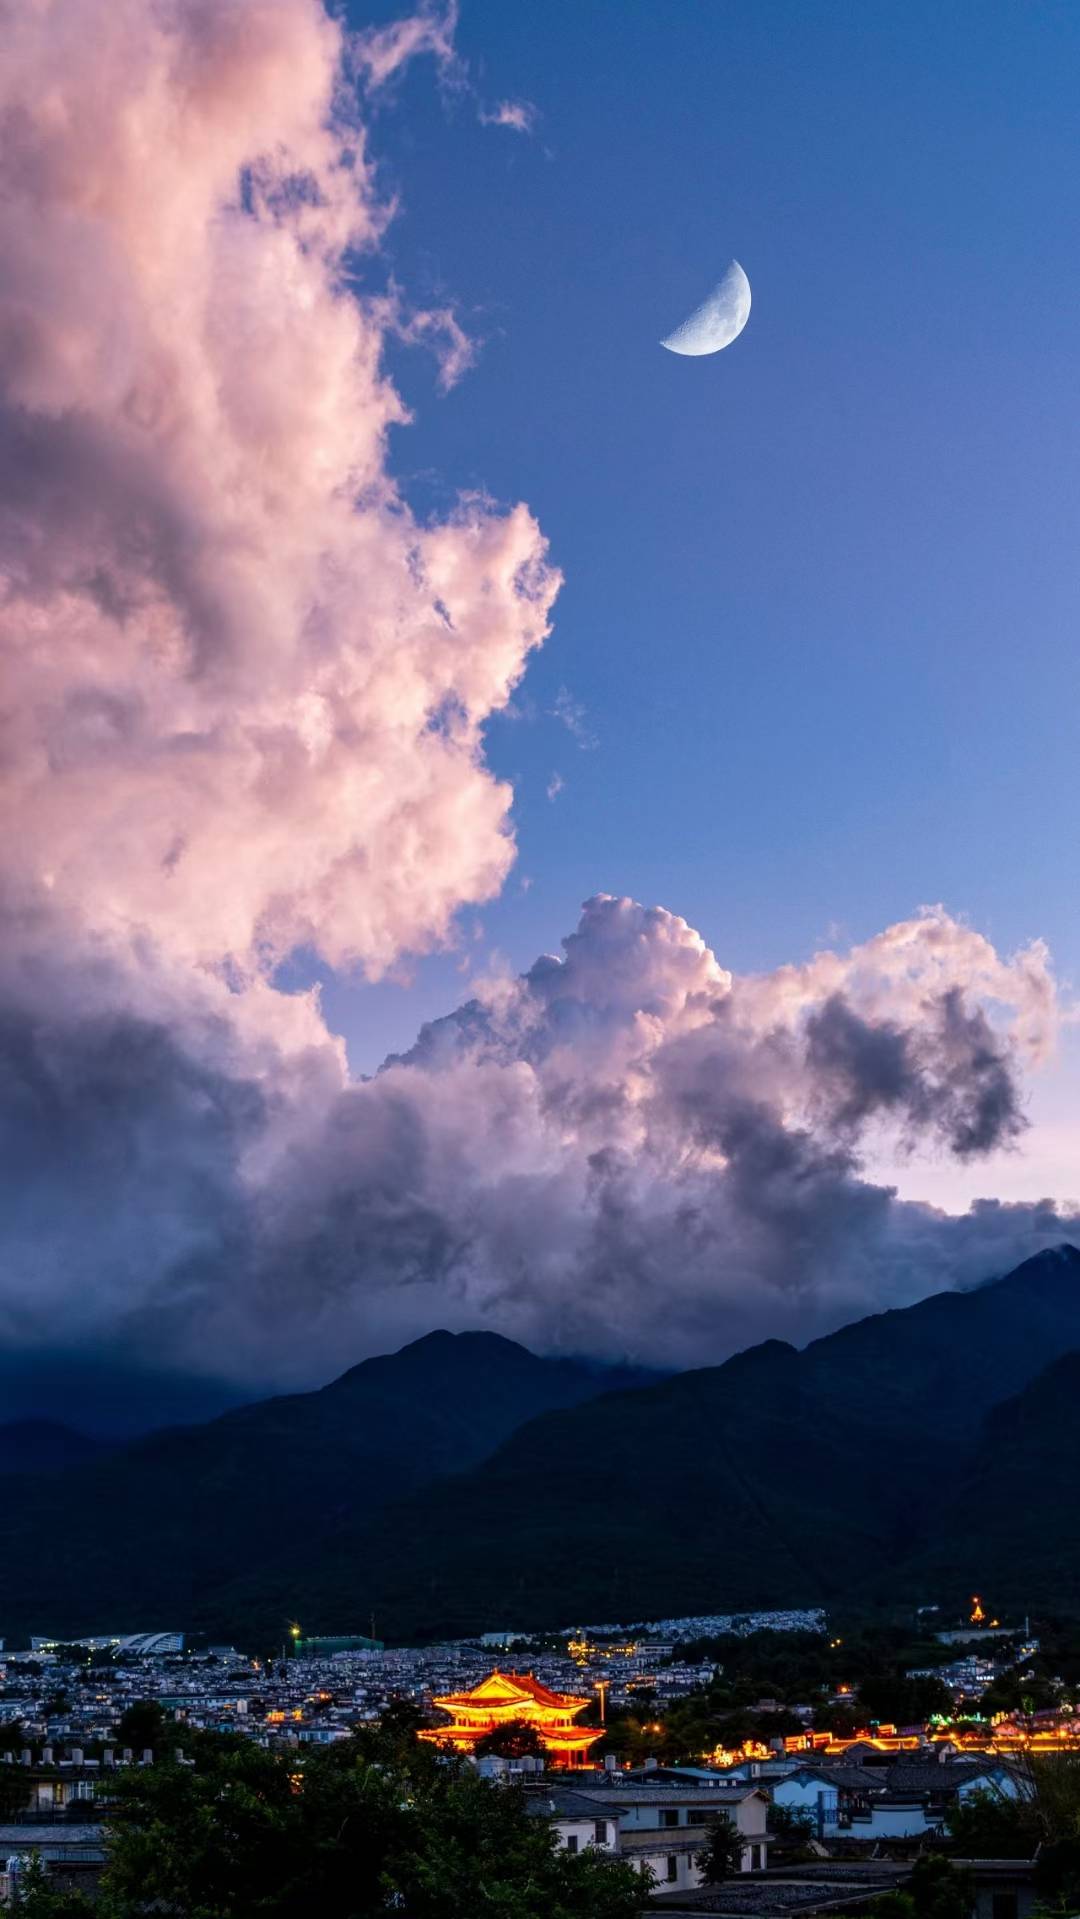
73	1855
576	1819
831	1795
659	1828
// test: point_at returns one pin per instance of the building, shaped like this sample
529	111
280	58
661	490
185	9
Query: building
73	1856
659	1829
506	1698
328	1648
903	1800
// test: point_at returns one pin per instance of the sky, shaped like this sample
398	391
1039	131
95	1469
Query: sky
821	592
385	610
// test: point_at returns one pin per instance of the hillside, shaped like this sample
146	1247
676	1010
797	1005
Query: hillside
778	1478
147	1536
464	1483
45	1446
1012	1508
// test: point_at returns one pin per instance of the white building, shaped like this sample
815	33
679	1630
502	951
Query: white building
659	1829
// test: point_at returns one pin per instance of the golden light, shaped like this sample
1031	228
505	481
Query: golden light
504	1697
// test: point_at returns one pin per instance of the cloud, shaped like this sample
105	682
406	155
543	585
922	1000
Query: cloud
381	53
245	699
573	716
555	786
519	115
223	627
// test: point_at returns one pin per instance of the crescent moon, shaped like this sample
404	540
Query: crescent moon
718	320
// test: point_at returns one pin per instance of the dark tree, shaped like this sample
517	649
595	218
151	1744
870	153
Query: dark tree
14	1790
37	1898
515	1740
935	1890
990	1825
723	1851
368	1826
146	1728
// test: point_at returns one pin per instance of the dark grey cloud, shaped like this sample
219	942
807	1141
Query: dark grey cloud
950	1074
623	1151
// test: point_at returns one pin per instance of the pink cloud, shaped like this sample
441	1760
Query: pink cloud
519	115
246	688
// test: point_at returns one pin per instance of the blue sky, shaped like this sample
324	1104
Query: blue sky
821	591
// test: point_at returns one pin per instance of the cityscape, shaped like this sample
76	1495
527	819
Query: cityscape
597	1729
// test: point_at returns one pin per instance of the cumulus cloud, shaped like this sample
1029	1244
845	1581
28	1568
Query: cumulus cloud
223	627
245	694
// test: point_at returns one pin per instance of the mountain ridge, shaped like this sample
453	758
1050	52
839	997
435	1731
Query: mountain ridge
464	1481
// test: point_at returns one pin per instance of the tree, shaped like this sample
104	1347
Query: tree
935	1890
992	1825
367	1826
514	1740
146	1728
791	1822
723	1851
36	1898
14	1790
890	1698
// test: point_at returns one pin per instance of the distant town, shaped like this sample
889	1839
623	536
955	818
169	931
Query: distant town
833	1758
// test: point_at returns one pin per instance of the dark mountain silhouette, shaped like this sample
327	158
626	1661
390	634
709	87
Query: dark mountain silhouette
463	1483
45	1446
1013	1506
153	1532
780	1478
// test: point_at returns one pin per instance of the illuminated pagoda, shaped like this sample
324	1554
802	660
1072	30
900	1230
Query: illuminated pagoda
506	1697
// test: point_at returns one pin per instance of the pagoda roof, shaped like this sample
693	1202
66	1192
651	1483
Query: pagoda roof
510	1688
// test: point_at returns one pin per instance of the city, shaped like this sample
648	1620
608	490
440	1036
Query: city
621	1741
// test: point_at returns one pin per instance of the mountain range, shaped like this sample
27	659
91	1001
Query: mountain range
464	1483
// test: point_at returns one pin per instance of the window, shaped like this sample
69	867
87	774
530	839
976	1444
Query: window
600	1832
571	1842
672	1867
669	1816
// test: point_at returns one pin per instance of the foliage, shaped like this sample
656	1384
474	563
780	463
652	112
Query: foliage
1042	1821
14	1790
891	1698
38	1899
935	1890
372	1825
146	1728
992	1825
722	1854
514	1740
791	1822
